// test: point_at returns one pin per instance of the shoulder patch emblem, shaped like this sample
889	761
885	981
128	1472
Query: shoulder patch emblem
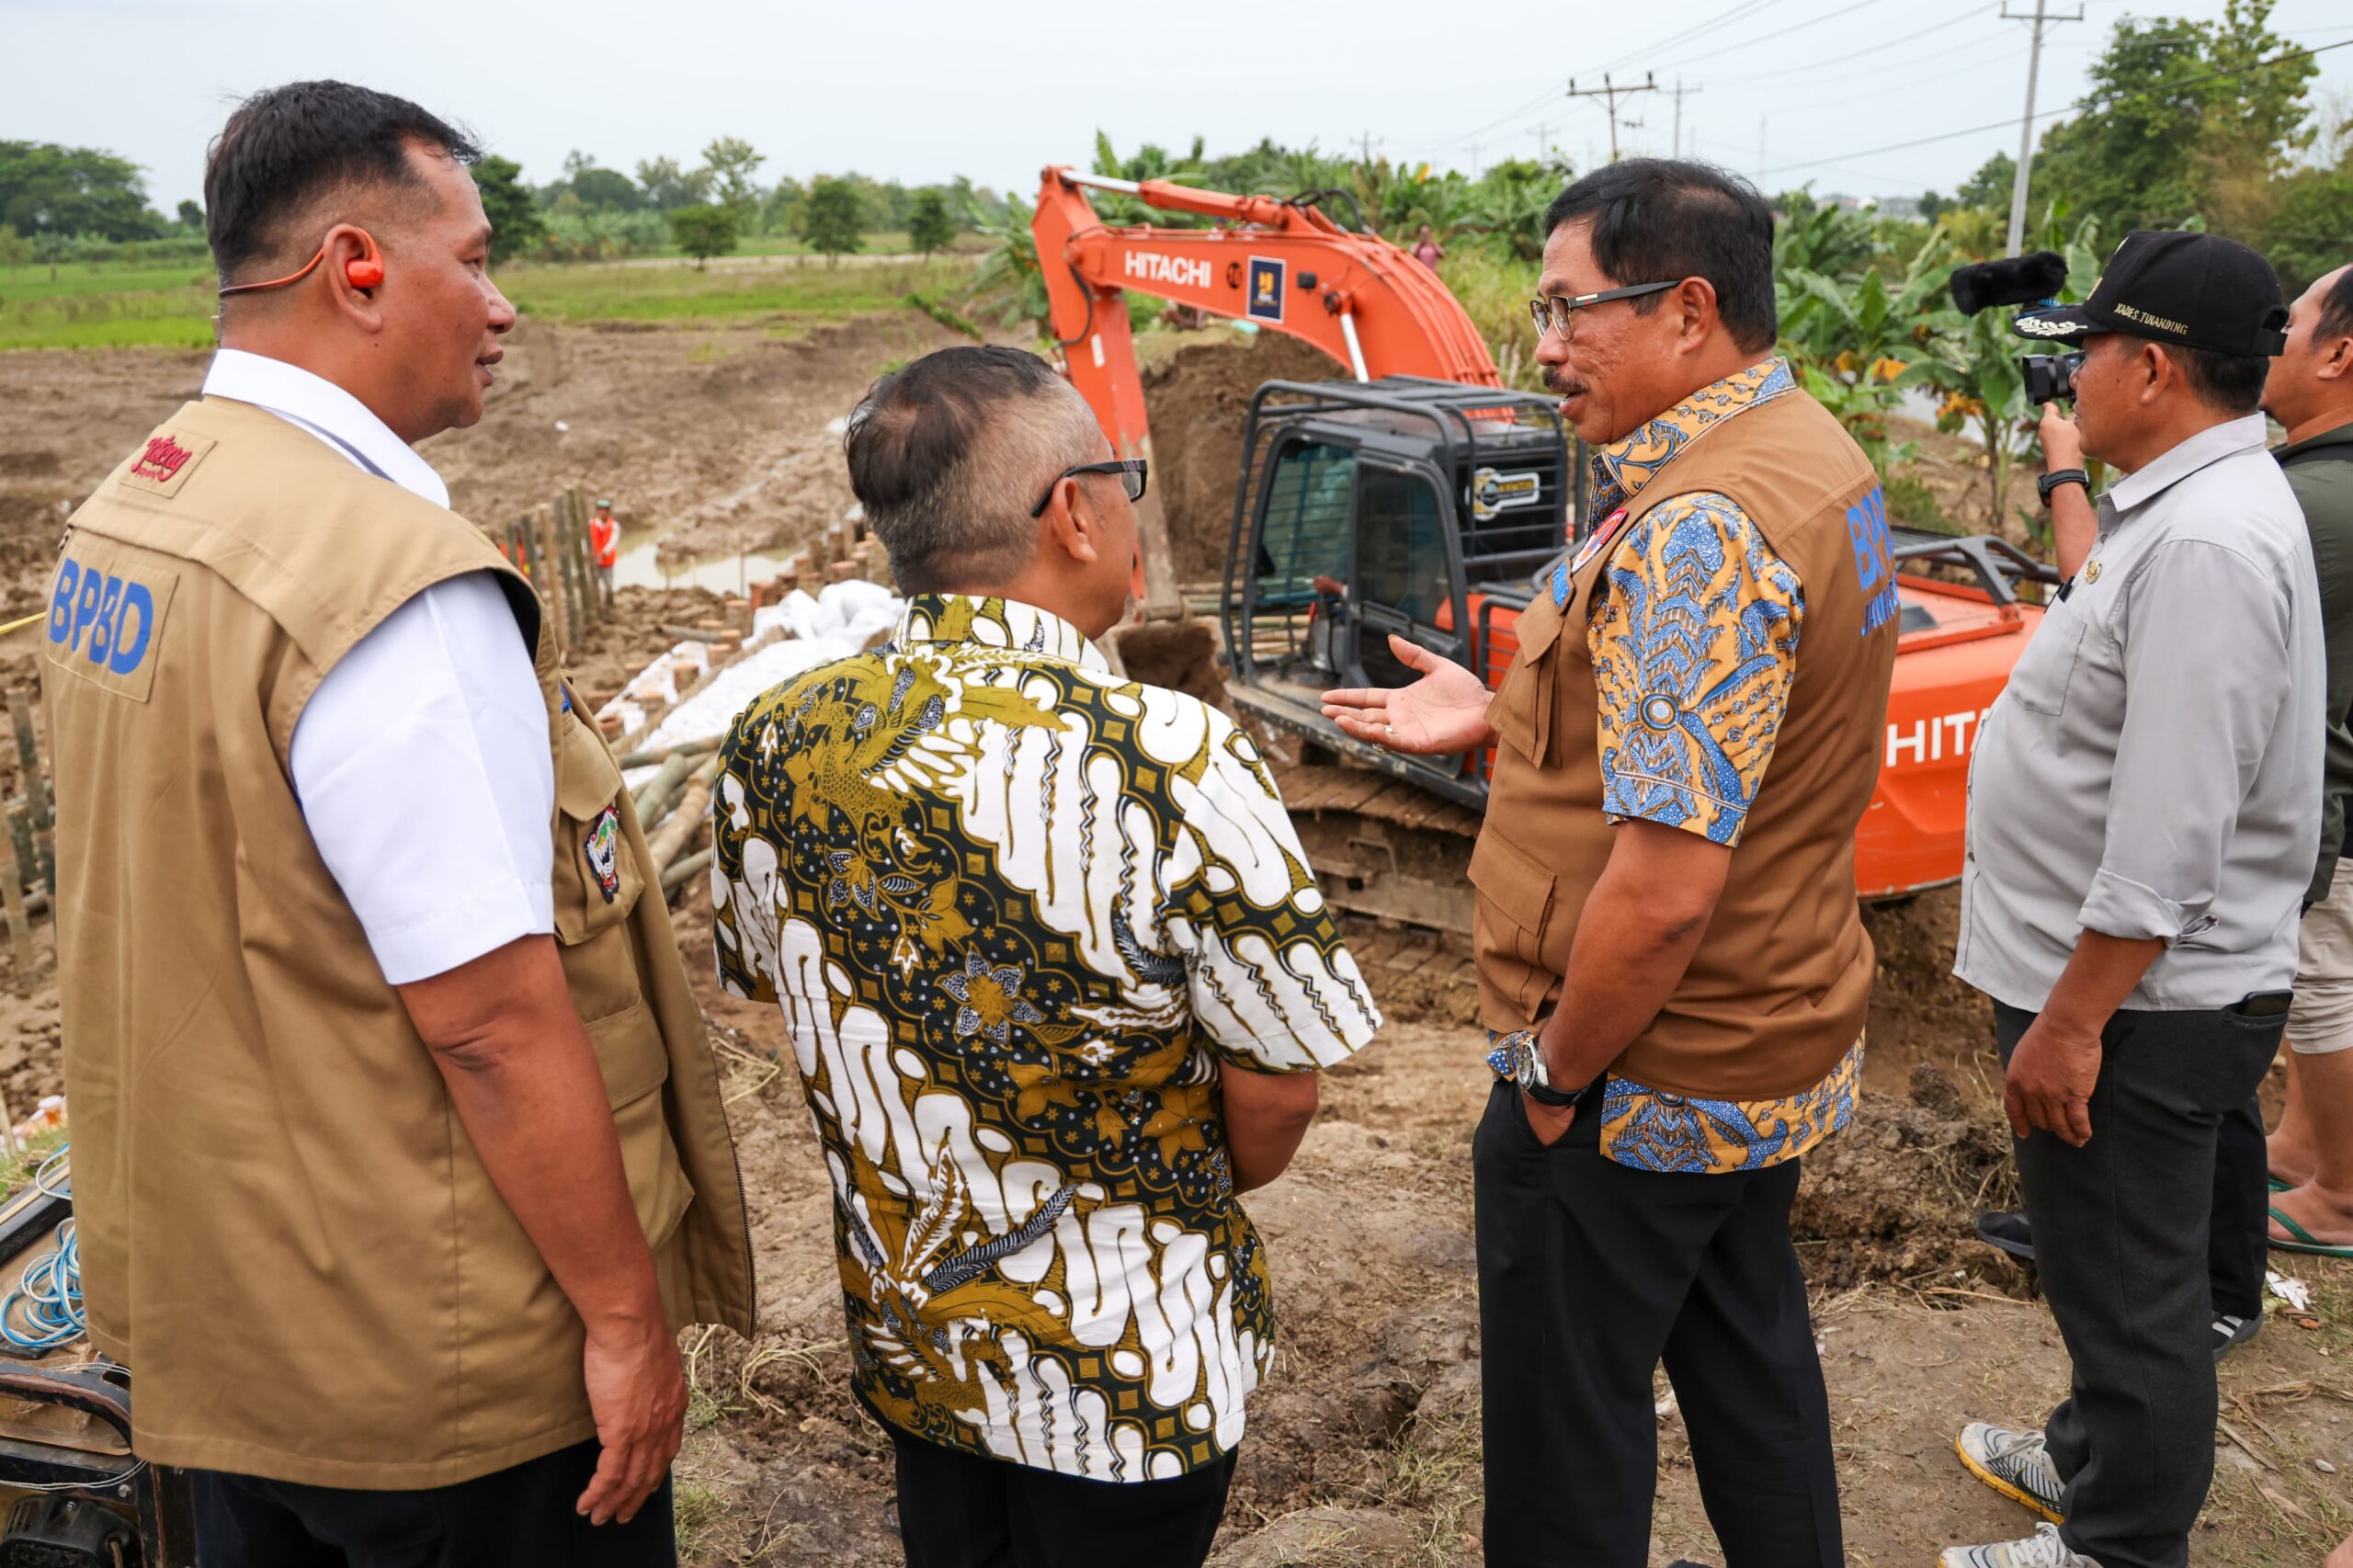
601	848
1598	540
167	460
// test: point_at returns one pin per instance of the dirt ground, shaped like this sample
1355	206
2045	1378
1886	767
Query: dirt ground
1363	1446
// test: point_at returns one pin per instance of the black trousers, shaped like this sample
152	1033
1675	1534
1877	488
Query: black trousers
2121	1228
517	1518
959	1510
1591	1274
2238	1250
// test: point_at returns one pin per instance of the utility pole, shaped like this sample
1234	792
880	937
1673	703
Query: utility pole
1544	134
2042	17
1368	145
1679	91
1611	92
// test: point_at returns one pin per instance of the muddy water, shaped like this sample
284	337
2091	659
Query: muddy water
639	566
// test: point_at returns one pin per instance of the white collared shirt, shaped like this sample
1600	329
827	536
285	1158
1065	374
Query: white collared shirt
2152	768
422	760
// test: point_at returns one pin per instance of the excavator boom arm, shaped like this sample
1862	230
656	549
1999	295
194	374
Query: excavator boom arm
1283	266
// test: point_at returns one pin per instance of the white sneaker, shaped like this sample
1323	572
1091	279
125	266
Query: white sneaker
2015	1464
2043	1549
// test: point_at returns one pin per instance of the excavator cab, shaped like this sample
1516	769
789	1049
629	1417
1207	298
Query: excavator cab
1401	505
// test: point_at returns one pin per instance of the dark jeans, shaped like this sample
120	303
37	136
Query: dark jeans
2121	1231
1591	1274
959	1510
517	1518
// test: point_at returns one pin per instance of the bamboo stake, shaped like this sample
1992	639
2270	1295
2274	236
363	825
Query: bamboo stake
12	897
677	873
20	838
684	748
694	810
550	582
663	785
36	789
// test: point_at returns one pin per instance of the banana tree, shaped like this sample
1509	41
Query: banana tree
1008	287
1859	347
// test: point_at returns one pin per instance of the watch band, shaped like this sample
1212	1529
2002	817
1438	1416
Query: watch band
1545	1094
2054	480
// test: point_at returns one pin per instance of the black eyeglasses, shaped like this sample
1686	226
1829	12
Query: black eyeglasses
1129	470
1559	313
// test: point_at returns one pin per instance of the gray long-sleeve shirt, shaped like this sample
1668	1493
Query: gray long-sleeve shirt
2153	767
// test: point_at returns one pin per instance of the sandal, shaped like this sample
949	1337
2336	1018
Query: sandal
2305	1241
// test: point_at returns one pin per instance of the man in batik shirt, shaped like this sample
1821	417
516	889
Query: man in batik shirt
1671	965
1057	979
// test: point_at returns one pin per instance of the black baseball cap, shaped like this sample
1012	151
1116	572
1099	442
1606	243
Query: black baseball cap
2197	290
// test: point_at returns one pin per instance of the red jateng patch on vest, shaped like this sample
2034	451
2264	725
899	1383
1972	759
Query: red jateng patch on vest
1599	538
161	462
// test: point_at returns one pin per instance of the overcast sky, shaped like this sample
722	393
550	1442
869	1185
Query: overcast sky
926	89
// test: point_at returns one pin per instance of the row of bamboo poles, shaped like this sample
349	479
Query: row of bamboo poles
550	547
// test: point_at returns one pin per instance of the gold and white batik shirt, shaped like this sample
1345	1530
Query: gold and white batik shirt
1020	913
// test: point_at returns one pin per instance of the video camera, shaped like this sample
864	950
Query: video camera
2033	280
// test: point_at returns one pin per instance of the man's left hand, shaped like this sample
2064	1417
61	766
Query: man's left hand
1551	1123
2062	441
2050	1081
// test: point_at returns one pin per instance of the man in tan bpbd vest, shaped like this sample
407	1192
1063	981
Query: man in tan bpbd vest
399	1153
1671	965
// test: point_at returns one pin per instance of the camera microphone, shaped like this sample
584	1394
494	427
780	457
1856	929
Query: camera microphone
2013	280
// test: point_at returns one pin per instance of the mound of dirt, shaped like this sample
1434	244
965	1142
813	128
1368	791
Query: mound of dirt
1892	1197
1197	401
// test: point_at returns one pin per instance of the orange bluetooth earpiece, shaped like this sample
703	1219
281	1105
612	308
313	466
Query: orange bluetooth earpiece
361	272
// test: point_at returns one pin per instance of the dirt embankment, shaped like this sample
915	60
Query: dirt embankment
1198	399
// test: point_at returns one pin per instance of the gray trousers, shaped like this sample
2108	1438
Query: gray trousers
2120	1231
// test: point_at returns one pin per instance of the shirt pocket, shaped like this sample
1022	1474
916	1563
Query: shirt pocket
2040	681
1521	714
1515	906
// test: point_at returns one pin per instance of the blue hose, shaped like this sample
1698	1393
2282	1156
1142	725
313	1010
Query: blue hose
44	1310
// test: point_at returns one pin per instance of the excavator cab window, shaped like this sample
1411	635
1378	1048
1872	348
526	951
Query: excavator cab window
1402	581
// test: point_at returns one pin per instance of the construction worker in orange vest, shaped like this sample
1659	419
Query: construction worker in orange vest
605	539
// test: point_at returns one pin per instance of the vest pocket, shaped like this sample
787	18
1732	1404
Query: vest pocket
1514	907
596	880
1521	713
636	1064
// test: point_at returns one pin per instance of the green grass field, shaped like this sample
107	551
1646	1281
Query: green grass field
99	306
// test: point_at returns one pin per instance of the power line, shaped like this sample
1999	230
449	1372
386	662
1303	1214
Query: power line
2063	108
1873	49
1682	60
1687	32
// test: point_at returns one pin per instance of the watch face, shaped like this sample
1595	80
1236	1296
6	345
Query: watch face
1526	1067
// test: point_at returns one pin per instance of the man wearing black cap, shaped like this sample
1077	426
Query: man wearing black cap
2141	837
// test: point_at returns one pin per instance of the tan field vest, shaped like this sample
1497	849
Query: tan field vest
1777	992
285	1231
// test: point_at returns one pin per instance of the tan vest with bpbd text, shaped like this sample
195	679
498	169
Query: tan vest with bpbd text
1777	992
285	1231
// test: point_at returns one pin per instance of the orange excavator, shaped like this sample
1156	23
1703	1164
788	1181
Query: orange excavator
1420	496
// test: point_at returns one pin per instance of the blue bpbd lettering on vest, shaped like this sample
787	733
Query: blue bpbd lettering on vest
107	619
1874	559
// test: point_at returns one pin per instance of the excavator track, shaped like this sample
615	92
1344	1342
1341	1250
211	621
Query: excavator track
1394	862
